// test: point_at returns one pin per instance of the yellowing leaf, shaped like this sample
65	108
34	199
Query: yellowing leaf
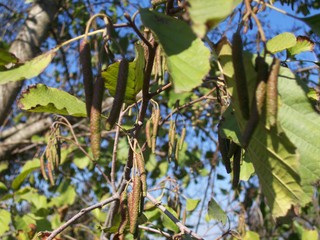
303	44
192	204
40	98
281	42
26	70
187	57
5	219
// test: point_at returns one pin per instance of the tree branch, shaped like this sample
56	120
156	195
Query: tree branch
81	213
26	46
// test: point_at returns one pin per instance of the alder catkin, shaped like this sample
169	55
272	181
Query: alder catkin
119	94
135	205
272	93
224	148
124	212
236	167
95	117
240	74
262	77
155	123
142	172
85	62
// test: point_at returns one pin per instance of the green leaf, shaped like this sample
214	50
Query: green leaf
40	98
303	44
274	157
281	42
167	222
135	76
250	235
5	219
301	124
7	57
313	22
309	234
215	212
3	187
80	160
187	56
192	204
28	69
247	169
67	195
206	15
28	168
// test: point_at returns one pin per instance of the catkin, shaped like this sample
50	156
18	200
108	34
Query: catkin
135	205
85	62
120	93
272	93
240	75
224	148
95	117
236	167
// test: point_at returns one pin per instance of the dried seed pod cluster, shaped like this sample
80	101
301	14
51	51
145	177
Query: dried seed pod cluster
52	154
134	203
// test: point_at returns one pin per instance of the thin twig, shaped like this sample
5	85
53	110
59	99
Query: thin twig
114	153
81	213
155	231
182	227
204	97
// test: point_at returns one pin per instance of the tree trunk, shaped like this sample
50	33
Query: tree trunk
26	46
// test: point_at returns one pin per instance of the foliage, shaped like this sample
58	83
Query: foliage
180	94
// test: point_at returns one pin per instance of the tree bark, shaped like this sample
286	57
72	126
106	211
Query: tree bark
26	46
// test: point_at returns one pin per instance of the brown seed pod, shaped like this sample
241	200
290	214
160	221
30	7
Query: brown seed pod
50	172
42	167
240	74
120	93
155	123
272	93
136	197
85	62
224	148
148	133
95	117
182	137
236	167
262	78
124	212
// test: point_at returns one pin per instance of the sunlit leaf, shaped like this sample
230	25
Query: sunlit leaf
206	15
26	70
303	44
187	57
215	212
250	235
67	195
281	42
40	98
274	157
192	204
301	123
167	222
135	76
3	187
5	219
